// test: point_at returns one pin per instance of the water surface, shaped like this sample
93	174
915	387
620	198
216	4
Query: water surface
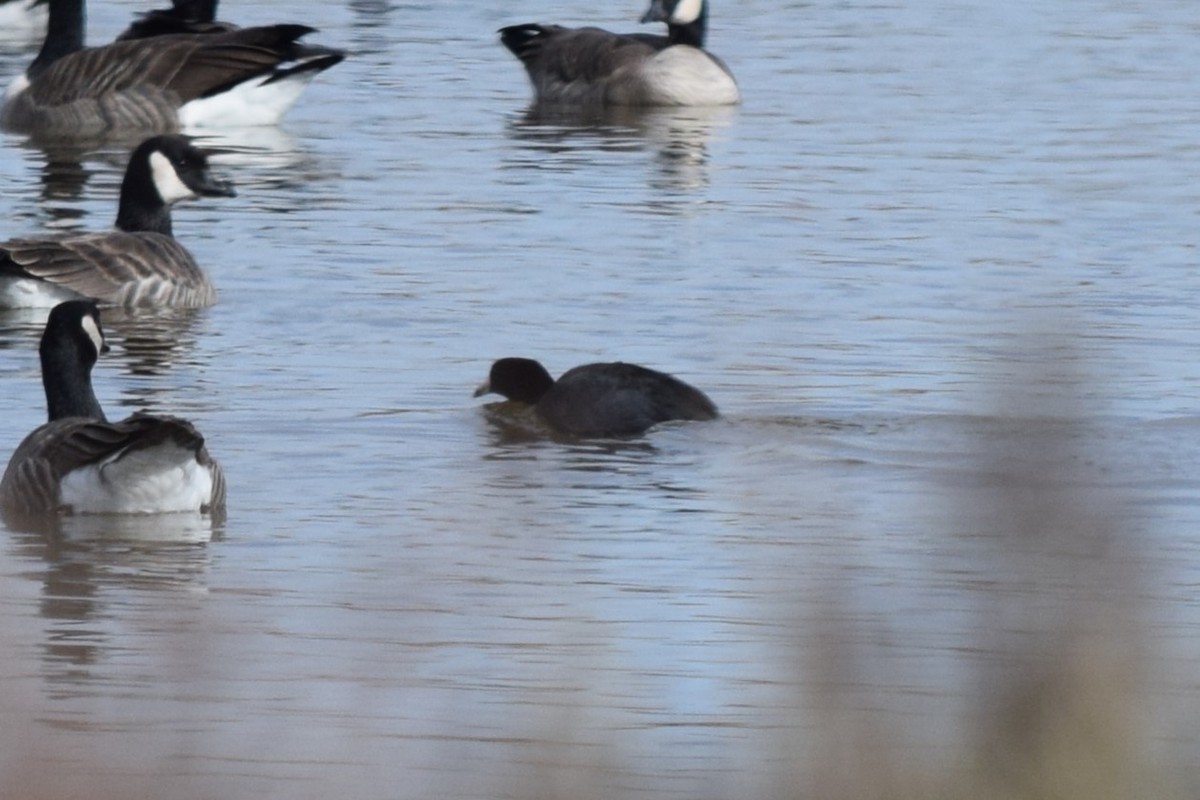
937	271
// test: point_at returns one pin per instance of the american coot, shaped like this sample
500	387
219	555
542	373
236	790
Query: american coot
79	462
138	264
591	65
613	399
248	76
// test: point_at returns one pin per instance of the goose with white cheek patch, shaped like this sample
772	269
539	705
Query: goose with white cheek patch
160	84
139	263
591	66
598	400
80	463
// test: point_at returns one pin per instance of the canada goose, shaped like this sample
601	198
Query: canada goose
78	462
139	263
614	399
184	16
590	65
248	76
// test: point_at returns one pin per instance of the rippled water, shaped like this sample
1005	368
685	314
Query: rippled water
936	248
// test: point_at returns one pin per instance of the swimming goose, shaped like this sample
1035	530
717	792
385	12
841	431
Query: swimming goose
184	16
138	264
614	399
248	76
594	66
78	462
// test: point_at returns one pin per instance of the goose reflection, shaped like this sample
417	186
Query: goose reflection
146	341
64	178
678	137
74	173
64	172
260	156
369	26
117	533
150	341
88	560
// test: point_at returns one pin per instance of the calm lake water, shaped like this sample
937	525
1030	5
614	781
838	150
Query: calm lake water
938	271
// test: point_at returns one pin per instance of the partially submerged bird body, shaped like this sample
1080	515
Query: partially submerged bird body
619	399
79	462
593	66
144	464
159	84
596	400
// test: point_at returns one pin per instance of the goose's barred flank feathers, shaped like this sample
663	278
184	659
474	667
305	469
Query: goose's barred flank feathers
180	68
124	269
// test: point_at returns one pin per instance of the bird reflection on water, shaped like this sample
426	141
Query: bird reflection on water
678	138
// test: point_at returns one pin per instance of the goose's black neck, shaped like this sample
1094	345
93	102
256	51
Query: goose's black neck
142	209
67	379
692	33
64	34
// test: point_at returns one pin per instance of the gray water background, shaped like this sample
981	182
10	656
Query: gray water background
930	227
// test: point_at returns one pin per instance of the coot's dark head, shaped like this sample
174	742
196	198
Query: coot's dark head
520	379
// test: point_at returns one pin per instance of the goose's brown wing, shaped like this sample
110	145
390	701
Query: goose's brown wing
184	66
113	267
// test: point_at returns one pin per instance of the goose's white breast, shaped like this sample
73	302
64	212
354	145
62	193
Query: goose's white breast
688	76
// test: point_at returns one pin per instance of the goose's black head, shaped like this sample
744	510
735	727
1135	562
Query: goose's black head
520	379
71	343
164	170
686	19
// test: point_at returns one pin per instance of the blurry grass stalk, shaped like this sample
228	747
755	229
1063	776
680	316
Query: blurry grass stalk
1061	705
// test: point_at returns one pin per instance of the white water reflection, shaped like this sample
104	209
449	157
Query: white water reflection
677	137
